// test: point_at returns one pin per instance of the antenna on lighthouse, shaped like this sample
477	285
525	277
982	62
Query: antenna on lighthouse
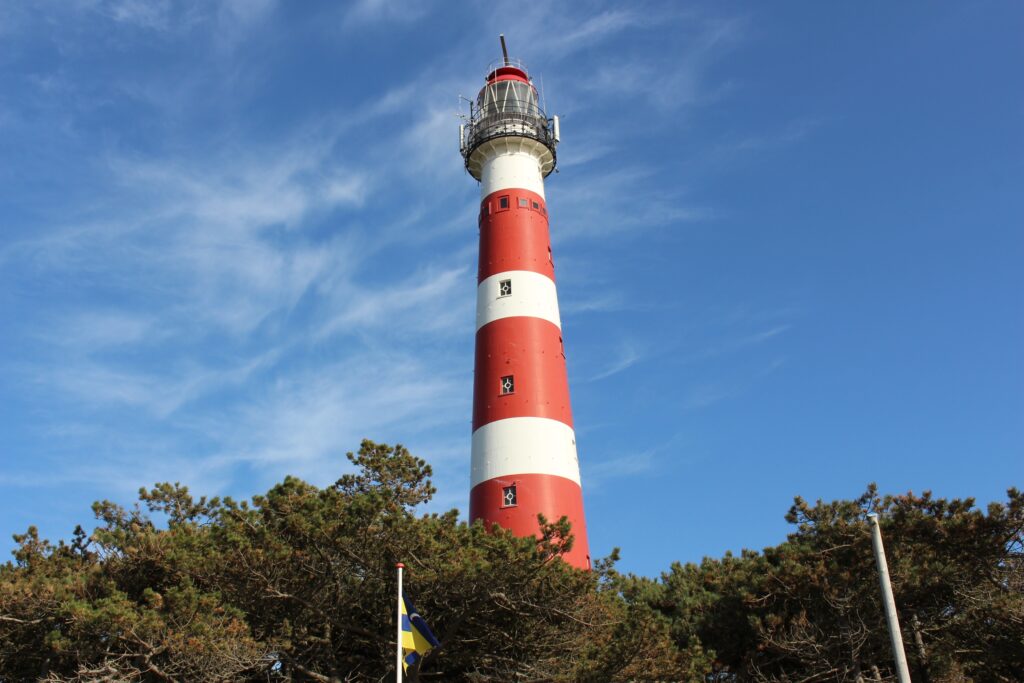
504	50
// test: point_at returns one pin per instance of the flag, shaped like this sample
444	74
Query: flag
417	639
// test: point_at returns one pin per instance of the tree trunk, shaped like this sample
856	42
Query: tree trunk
922	656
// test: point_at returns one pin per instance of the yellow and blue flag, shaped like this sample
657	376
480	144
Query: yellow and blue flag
417	639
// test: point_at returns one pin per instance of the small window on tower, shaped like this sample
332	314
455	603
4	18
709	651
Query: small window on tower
523	203
505	288
551	259
508	496
536	206
508	385
503	202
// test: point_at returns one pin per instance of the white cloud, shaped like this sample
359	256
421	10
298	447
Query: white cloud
597	473
592	30
425	302
363	12
152	14
98	329
626	357
246	294
606	301
228	16
622	201
303	422
211	254
159	391
600	471
245	12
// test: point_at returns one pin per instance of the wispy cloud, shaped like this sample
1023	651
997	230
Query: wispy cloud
425	302
245	12
632	464
164	15
153	14
708	393
263	296
363	12
604	302
596	474
626	357
266	254
593	206
159	392
729	152
305	418
95	330
592	30
733	342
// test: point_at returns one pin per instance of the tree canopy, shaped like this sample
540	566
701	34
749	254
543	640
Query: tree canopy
298	584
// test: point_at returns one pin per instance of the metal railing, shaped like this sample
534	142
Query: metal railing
515	119
514	62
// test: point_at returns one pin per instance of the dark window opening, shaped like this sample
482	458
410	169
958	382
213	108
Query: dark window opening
536	205
508	385
561	347
502	202
508	496
505	288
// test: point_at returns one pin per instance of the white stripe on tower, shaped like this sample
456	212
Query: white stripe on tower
516	445
511	169
529	294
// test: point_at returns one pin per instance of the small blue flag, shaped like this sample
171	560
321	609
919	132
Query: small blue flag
417	639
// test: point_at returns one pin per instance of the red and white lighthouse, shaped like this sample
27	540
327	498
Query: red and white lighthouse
524	446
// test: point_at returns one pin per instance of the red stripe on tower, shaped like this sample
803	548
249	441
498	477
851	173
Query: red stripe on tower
524	460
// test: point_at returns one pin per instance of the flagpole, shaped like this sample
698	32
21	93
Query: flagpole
398	643
895	636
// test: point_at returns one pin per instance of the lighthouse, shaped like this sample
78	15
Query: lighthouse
524	459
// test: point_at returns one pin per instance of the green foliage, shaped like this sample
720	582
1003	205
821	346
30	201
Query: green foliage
809	609
298	584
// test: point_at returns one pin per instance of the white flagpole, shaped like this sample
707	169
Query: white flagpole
895	636
398	650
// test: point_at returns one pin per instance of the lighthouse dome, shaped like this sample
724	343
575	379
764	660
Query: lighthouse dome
508	90
507	109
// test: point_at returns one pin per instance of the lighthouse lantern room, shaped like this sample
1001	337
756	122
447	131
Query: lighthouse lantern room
524	459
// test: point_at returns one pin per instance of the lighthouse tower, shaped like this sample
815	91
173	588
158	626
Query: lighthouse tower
524	446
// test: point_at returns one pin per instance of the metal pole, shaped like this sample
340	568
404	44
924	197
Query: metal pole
504	50
902	672
398	645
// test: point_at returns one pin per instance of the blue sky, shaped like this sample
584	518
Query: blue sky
237	237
